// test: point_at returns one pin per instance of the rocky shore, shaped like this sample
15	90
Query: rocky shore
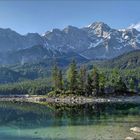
70	99
136	131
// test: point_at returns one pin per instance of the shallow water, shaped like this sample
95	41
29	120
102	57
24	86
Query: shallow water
29	121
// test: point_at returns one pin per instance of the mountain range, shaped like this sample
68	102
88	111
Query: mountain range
96	41
129	61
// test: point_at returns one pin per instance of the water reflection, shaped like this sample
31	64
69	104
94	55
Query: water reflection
28	121
30	114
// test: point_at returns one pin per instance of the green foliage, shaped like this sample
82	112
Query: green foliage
132	85
89	86
57	78
95	82
129	60
72	76
82	80
36	87
102	82
60	80
7	75
120	86
77	80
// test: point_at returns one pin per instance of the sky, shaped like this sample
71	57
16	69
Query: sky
40	16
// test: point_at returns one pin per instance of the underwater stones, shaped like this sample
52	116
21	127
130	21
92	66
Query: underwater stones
129	138
135	129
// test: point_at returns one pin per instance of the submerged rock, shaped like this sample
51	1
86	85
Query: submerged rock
135	129
35	132
129	138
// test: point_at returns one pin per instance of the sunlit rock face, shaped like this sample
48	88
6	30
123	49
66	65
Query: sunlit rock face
96	41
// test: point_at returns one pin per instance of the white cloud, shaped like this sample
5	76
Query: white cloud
136	26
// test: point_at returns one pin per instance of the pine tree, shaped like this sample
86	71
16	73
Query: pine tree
72	77
114	76
102	82
114	79
121	86
60	80
132	85
95	82
55	77
89	86
82	80
117	82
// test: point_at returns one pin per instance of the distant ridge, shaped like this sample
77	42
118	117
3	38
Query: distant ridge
96	41
128	60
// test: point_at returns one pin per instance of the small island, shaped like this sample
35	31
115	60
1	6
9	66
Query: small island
76	84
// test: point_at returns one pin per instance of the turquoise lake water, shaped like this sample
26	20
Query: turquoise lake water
30	121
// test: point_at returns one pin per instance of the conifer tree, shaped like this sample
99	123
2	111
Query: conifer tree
95	82
55	77
121	86
72	77
102	81
89	86
82	80
117	82
132	85
114	79
60	80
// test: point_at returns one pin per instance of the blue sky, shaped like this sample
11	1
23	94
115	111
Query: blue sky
42	15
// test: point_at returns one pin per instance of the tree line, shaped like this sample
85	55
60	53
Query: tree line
83	80
80	81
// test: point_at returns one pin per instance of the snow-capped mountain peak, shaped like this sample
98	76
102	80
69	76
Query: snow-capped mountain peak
100	25
99	28
135	26
98	40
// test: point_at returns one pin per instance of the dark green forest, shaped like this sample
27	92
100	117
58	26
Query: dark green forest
119	76
94	82
79	81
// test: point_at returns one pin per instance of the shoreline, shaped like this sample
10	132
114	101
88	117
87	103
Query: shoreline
70	99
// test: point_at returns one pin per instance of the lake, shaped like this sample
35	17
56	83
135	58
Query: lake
30	121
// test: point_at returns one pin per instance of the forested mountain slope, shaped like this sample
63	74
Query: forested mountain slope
129	60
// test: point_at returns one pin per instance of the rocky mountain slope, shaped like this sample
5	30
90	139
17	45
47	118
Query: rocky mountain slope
37	54
96	41
11	40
